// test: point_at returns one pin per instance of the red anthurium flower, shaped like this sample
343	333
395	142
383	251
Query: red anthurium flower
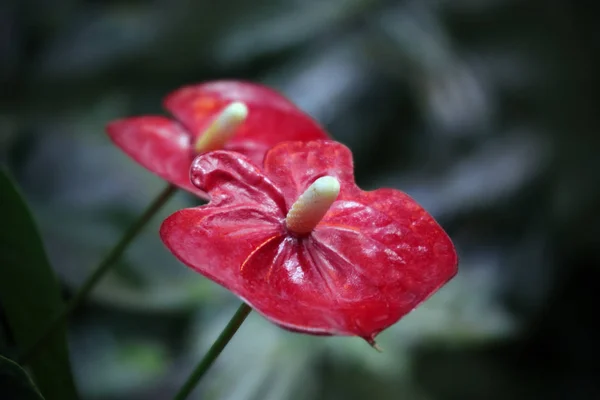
244	117
304	246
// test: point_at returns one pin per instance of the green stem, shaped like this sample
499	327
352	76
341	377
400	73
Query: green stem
214	351
100	271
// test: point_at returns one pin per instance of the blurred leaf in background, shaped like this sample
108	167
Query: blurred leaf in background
30	296
484	111
15	382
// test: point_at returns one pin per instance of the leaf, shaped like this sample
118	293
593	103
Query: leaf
30	294
15	382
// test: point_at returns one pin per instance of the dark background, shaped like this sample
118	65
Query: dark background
485	111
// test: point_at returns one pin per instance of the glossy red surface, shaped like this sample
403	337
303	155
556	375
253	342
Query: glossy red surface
373	258
165	146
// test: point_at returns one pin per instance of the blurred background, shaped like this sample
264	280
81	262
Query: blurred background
485	111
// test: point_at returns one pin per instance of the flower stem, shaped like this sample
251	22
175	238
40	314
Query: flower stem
100	271
214	351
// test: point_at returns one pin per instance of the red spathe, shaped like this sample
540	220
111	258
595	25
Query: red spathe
373	258
166	147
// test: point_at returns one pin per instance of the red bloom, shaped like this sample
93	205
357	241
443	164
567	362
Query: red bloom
167	147
372	258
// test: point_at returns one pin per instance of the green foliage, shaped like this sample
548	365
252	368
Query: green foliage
15	382
30	294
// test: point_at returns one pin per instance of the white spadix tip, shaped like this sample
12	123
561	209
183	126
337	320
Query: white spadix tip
222	128
312	205
235	112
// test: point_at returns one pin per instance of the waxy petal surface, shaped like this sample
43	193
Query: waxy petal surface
212	240
166	147
159	145
294	166
231	178
372	259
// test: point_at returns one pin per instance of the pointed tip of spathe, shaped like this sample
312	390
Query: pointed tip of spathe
373	344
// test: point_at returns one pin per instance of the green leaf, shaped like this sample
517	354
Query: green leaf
30	294
15	382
